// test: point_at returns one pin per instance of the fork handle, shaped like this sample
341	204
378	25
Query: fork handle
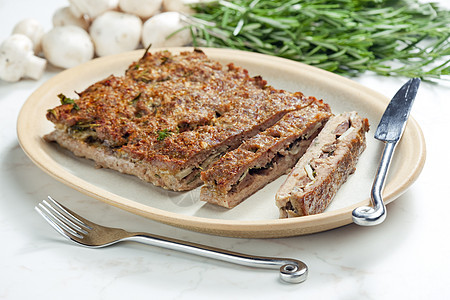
291	270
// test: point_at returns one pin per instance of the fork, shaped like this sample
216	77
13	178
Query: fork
86	233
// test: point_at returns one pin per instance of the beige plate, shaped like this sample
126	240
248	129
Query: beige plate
256	217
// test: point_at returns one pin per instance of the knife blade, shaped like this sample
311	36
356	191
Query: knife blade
389	130
393	121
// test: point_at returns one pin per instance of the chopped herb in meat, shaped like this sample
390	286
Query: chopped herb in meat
162	134
67	100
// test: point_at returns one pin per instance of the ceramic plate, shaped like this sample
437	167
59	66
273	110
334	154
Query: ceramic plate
256	217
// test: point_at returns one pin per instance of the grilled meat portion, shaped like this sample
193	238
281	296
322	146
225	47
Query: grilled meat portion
325	166
169	116
264	157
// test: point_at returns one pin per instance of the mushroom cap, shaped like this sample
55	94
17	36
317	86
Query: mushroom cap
91	8
63	16
33	29
141	8
156	30
67	46
17	59
115	32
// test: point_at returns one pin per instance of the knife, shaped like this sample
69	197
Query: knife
389	130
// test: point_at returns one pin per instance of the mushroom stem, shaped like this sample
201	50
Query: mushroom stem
35	67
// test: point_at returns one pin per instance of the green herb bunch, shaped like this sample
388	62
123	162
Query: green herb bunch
393	38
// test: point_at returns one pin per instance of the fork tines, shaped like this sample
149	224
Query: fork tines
62	219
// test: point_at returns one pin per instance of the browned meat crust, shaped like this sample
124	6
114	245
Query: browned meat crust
170	115
263	158
324	167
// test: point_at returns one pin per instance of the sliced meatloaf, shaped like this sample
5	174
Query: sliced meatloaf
264	157
325	166
169	116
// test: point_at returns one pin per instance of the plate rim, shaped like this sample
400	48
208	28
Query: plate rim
268	228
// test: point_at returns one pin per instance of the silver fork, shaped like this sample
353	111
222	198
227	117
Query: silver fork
86	233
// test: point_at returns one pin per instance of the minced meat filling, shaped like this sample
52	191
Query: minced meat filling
324	167
258	154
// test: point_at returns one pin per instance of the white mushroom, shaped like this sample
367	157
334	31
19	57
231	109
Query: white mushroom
159	31
67	46
64	16
115	32
91	8
141	8
17	59
33	30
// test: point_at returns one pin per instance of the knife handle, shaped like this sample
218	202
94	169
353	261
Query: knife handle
375	214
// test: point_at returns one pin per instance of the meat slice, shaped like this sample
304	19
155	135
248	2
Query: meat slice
169	116
264	157
325	166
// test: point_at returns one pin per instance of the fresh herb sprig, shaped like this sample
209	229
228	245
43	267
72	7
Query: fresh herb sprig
67	100
393	38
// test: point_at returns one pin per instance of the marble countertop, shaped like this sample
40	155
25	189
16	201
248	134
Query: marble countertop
407	256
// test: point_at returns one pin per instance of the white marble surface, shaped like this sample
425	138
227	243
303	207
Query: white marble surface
406	256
